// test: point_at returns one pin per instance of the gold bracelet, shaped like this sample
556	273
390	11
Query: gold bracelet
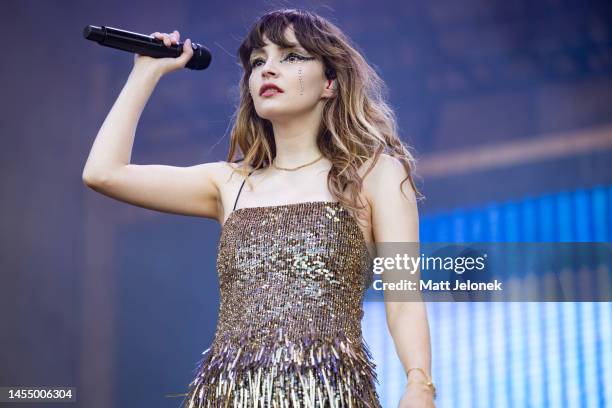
429	383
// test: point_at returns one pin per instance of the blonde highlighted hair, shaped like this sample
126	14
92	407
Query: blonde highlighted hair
357	124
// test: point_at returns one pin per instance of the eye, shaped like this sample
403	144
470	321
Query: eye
293	56
255	61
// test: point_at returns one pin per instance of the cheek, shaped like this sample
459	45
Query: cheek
252	85
305	80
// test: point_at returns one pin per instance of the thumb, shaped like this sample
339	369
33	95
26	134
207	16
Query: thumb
187	52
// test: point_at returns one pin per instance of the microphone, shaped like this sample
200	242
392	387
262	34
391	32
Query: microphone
146	45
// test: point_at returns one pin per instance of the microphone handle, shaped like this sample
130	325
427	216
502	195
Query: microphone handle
146	45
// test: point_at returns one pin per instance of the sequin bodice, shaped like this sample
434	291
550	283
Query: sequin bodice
296	267
292	280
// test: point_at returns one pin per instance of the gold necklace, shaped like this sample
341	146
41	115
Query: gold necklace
298	167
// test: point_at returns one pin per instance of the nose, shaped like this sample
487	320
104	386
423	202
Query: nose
268	69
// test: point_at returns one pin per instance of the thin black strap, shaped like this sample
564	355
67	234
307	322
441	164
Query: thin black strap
242	185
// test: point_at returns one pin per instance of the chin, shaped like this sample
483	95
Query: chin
280	111
272	113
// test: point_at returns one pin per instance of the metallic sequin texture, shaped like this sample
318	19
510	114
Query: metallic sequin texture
292	280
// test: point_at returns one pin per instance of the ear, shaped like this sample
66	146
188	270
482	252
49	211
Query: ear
330	88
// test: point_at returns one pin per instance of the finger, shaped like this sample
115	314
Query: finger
186	46
157	36
187	51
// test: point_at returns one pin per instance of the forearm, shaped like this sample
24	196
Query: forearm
112	147
409	327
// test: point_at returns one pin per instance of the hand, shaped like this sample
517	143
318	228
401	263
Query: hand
417	395
166	65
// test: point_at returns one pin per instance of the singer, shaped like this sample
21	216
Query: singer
326	178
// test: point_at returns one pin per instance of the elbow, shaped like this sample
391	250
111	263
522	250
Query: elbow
93	180
87	179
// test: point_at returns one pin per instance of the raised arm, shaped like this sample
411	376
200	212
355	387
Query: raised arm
181	190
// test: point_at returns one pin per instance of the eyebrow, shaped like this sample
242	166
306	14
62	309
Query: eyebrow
262	51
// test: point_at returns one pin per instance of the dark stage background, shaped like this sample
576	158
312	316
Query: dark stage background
501	101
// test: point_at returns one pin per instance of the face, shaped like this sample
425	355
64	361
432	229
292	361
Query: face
297	72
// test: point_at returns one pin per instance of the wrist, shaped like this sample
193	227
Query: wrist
418	379
146	72
415	388
419	385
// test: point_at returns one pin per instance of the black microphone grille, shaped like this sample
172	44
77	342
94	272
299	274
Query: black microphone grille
201	57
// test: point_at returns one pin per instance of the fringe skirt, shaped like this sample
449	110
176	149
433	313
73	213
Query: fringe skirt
314	371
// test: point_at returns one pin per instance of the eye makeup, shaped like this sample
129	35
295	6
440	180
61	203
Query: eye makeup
292	55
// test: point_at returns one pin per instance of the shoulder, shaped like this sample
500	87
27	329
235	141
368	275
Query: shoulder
222	171
393	201
382	181
385	165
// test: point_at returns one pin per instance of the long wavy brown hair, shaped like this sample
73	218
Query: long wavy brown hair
357	124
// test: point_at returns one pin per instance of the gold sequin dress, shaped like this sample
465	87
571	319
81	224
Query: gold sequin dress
292	280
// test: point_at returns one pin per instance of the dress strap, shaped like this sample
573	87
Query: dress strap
239	191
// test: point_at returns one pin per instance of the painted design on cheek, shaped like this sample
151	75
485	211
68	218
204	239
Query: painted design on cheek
301	83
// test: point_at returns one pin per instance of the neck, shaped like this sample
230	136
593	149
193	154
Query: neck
296	139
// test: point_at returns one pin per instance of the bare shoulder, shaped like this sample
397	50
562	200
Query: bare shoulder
219	170
383	178
392	199
229	176
229	172
384	163
213	171
218	173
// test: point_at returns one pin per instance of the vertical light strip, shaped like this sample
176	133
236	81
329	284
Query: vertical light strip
529	230
583	218
459	231
601	215
547	226
498	356
517	369
553	354
605	340
570	360
564	218
480	354
505	322
449	383
591	391
535	374
544	323
464	354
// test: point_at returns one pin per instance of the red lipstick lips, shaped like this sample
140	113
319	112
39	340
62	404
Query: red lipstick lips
267	86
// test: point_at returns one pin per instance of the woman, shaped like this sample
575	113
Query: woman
326	176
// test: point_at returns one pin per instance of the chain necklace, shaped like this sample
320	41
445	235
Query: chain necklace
298	167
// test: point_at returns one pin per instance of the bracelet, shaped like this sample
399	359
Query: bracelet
429	383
